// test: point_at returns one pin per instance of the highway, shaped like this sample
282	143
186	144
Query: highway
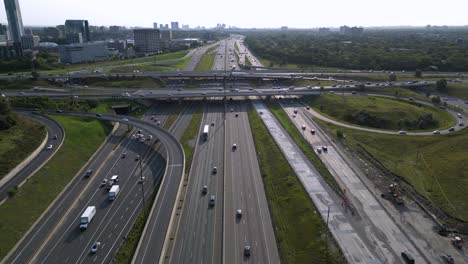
150	247
199	232
389	238
197	55
64	242
244	191
55	134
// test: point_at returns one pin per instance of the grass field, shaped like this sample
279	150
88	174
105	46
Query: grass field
207	60
83	137
305	240
389	113
18	142
189	136
99	65
287	124
173	117
459	90
435	165
15	84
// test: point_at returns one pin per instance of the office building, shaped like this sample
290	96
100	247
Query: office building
78	26
120	46
30	41
3	30
147	41
51	33
351	30
185	27
114	28
175	25
61	30
86	52
15	21
74	38
155	25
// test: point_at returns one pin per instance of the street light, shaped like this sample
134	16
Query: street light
142	185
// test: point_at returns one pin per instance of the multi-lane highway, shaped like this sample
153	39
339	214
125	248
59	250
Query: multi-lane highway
55	239
55	137
150	247
244	191
199	232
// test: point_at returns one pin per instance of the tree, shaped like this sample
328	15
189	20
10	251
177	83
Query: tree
35	75
418	73
435	99
441	85
339	133
4	107
392	77
92	103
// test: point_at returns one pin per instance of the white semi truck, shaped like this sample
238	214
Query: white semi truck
205	131
113	192
87	217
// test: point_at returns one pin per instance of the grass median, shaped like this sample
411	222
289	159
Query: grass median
299	229
207	60
190	136
435	166
173	117
382	113
18	142
82	139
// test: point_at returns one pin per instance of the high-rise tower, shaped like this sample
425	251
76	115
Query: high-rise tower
15	22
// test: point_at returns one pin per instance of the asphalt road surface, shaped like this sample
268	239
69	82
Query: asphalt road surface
53	129
244	191
199	233
150	247
66	243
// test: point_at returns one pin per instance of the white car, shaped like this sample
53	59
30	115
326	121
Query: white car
95	247
239	213
125	119
436	132
49	147
402	132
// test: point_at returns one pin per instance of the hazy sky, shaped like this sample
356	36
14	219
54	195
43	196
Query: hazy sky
246	13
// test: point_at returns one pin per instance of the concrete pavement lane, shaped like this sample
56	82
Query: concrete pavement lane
54	129
349	237
389	238
244	191
199	233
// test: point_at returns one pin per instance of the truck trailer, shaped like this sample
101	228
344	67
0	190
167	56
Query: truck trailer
113	192
87	217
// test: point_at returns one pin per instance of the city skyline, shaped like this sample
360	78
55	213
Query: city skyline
333	13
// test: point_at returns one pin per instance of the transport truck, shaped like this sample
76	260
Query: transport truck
113	192
87	217
205	132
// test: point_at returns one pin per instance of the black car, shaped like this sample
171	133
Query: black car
59	111
407	257
98	115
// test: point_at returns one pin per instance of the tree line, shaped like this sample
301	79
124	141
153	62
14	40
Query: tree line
444	50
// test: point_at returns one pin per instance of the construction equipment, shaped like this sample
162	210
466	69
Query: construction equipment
448	259
458	242
393	194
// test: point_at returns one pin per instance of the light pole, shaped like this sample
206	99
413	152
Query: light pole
142	186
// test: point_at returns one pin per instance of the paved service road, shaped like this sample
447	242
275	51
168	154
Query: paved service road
199	233
389	238
244	191
54	129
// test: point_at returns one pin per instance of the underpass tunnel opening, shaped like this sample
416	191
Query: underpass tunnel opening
123	109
